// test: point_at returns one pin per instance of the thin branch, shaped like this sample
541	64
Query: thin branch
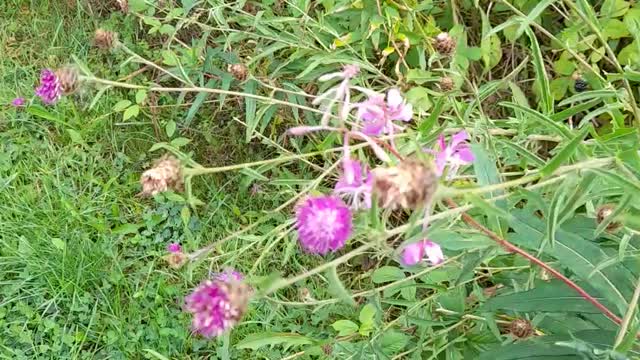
514	249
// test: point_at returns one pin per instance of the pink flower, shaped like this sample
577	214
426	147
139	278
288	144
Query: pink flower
228	275
323	224
18	102
337	94
356	184
217	306
49	90
378	114
174	248
456	154
416	252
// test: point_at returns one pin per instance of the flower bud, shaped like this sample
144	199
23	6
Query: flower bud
445	44
446	84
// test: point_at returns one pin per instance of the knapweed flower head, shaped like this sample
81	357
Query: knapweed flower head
228	276
49	89
324	224
18	102
409	185
68	79
456	154
105	39
355	184
378	114
174	248
338	94
416	252
445	44
217	306
164	175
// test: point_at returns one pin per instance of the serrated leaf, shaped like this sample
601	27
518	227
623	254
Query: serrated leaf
386	274
345	327
258	340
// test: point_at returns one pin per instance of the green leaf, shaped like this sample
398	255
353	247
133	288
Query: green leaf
554	296
386	274
345	327
337	289
121	105
614	8
418	96
367	319
125	229
542	77
179	142
420	76
393	342
141	95
564	65
544	120
155	354
258	340
566	152
169	58
76	137
559	88
250	109
487	174
614	29
58	243
131	111
197	103
170	128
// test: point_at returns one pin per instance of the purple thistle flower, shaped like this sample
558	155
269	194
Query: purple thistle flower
18	102
49	90
378	114
355	183
174	248
456	154
323	223
217	306
414	253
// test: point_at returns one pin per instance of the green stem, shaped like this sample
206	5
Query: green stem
626	320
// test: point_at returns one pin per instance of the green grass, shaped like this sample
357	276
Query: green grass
82	274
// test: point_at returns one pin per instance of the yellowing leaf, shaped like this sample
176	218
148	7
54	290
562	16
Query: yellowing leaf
341	41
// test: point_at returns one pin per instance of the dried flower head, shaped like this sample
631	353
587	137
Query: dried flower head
604	212
446	83
176	259
410	185
104	39
521	328
217	306
123	5
239	71
323	224
68	79
49	89
445	44
165	174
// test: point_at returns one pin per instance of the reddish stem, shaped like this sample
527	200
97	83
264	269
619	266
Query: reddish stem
512	248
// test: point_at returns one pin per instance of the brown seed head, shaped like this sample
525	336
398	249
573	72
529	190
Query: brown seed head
164	175
238	294
446	84
239	71
68	78
176	260
445	44
123	5
327	349
521	328
410	185
104	39
603	212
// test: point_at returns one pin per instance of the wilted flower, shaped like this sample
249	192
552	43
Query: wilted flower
105	39
410	185
355	183
445	44
239	71
174	248
68	79
416	252
323	224
164	175
49	90
18	102
340	93
521	328
446	83
604	212
378	114
456	154
217	306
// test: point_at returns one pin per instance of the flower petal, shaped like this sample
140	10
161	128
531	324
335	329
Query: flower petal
433	252
413	253
459	138
405	113
394	99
